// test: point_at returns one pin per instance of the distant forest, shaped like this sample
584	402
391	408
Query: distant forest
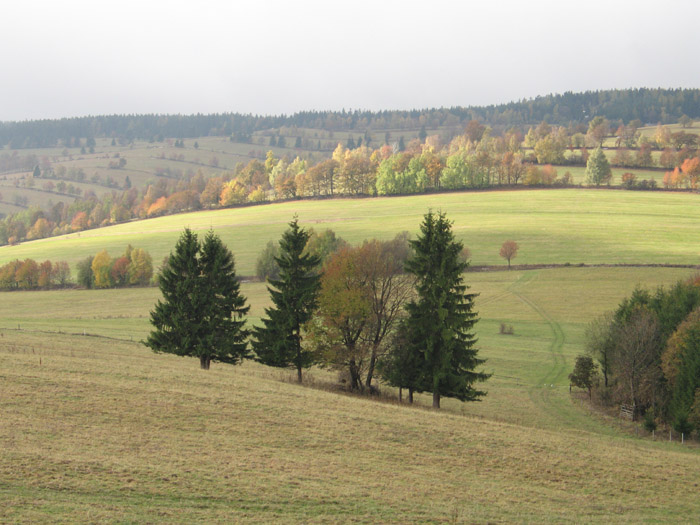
650	106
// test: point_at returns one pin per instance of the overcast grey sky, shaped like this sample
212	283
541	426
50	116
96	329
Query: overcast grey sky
74	57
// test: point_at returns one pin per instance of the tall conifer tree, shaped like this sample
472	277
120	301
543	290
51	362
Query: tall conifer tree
442	319
294	294
201	314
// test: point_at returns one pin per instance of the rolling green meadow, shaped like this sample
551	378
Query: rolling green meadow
96	428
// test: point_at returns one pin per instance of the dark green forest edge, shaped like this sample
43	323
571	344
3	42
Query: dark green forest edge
516	144
647	105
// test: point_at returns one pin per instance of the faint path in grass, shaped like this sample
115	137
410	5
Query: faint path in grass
550	394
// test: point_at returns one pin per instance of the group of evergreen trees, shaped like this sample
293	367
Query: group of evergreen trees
202	312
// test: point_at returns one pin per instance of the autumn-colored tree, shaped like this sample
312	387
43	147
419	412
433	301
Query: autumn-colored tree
233	192
259	194
474	130
549	174
668	158
80	221
41	229
119	271
691	168
210	196
550	150
343	312
509	250
140	269
159	207
27	274
45	274
629	180
643	157
101	268
8	275
61	273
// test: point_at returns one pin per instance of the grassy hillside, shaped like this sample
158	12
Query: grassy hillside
104	430
109	432
554	226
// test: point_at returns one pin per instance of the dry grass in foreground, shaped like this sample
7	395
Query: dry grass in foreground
106	431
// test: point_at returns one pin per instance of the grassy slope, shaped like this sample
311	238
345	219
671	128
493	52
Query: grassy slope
109	432
105	430
554	226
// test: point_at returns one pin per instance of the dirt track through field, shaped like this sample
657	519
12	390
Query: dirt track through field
550	393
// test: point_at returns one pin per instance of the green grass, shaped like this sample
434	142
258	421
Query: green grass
553	226
579	174
104	430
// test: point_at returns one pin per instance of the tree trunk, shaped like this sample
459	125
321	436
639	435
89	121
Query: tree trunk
400	394
355	379
410	396
298	374
436	399
370	371
204	361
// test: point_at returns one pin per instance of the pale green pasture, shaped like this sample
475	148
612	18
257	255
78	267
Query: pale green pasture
579	174
551	226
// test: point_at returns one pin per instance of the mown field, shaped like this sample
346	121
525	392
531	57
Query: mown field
104	430
554	226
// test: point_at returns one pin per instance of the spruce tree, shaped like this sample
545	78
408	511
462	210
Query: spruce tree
294	295
201	314
225	336
441	320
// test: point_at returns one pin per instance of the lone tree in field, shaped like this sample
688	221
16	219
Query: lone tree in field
442	319
201	314
294	294
509	250
598	169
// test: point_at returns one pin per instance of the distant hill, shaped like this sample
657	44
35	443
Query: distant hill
646	105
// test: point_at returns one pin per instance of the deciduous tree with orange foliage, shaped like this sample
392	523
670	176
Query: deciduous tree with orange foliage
509	250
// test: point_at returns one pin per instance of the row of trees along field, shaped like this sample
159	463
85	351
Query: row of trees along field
399	308
648	351
32	275
476	159
133	268
647	105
